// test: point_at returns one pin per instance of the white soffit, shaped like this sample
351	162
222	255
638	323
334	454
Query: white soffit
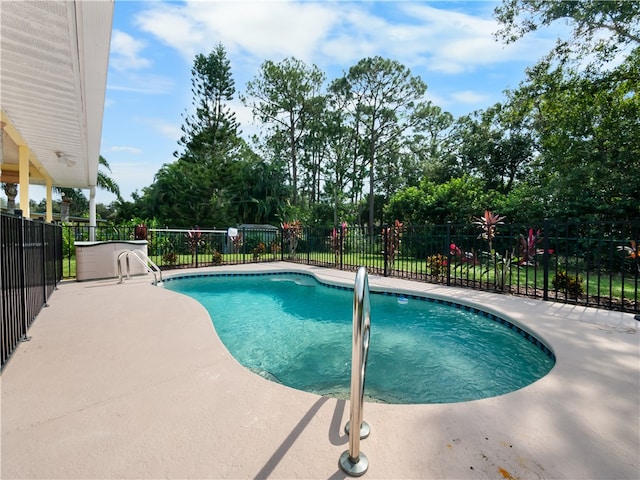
53	71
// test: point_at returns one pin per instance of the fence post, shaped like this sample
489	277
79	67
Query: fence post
341	245
385	248
545	260
243	244
23	283
44	264
281	243
448	250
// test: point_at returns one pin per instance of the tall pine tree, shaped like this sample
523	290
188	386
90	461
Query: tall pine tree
212	131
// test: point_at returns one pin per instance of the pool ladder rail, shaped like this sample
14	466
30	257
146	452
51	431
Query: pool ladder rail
143	260
354	462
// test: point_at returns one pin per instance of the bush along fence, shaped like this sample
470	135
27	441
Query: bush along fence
31	259
592	264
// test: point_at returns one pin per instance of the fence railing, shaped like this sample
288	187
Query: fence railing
31	259
593	264
171	248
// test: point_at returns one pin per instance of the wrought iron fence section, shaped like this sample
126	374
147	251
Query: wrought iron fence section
171	248
31	259
594	264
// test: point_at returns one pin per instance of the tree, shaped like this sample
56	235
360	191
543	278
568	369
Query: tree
494	146
432	146
200	187
586	132
581	106
212	130
380	95
456	201
105	182
283	96
600	27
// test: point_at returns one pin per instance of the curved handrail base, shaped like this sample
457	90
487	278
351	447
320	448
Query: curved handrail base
354	467
365	429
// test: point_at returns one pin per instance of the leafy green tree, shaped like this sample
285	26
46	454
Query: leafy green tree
284	97
581	107
454	201
587	130
600	27
380	95
494	148
432	146
200	187
257	190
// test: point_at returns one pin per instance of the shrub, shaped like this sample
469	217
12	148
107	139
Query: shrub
568	284
437	264
169	258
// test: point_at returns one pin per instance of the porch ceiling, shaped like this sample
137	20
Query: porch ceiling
53	74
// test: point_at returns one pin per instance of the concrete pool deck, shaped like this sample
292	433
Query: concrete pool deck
131	381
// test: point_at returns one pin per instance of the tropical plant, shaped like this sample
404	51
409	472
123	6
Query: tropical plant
632	252
488	223
392	239
258	250
437	265
463	258
568	284
528	247
194	241
336	240
291	233
501	263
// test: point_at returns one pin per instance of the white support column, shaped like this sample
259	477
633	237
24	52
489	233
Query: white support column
92	213
23	162
49	188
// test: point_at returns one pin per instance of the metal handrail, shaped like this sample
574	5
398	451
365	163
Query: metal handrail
354	462
143	260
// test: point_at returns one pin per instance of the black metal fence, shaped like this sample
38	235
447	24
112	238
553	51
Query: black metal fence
593	264
177	248
31	259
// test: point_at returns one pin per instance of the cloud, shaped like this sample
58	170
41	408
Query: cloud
336	35
164	128
132	150
262	29
125	52
470	97
149	84
132	176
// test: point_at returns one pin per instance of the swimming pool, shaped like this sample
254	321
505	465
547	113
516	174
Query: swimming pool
292	329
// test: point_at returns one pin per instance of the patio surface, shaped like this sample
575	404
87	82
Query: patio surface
131	381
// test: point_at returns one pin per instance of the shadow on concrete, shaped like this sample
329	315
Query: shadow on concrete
284	447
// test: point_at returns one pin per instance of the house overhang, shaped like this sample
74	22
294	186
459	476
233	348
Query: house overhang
54	60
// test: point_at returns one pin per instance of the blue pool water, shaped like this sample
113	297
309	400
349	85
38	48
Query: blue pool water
294	330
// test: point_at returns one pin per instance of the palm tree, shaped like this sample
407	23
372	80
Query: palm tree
105	182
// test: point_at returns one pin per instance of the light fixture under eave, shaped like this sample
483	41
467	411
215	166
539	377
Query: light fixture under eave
63	157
